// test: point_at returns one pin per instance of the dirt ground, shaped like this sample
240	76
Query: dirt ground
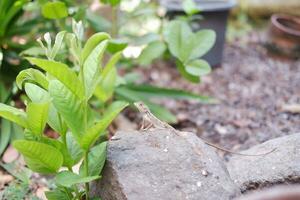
251	87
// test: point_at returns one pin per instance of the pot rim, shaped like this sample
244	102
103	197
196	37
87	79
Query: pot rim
275	21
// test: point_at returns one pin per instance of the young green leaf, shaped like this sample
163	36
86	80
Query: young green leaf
36	94
67	158
182	70
179	38
55	121
153	51
96	159
92	68
149	92
32	76
111	2
190	7
21	173
108	78
68	179
74	148
93	133
197	67
37	115
62	72
5	134
54	10
39	157
69	106
124	93
203	41
57	44
13	114
57	195
91	43
116	45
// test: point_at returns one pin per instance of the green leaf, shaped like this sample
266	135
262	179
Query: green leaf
67	158
17	132
55	121
32	76
68	179
5	133
190	7
92	134
162	113
153	51
197	44
57	195
181	68
33	51
54	10
203	41
98	22
111	2
91	43
149	91
105	88
62	72
116	45
108	78
179	38
36	94
131	96
197	67
92	68
57	44
96	157
74	148
20	172
69	106
37	115
39	157
1	57
13	114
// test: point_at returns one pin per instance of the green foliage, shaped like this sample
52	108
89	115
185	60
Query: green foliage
59	96
55	10
153	51
68	179
190	7
188	51
15	190
36	158
111	2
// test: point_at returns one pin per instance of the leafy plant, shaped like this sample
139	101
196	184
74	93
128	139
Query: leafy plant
60	97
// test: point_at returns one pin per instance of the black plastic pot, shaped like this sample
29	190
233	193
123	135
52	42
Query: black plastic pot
215	14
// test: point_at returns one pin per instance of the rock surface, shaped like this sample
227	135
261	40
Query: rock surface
280	166
162	165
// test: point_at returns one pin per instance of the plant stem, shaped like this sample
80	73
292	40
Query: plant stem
74	187
114	22
86	170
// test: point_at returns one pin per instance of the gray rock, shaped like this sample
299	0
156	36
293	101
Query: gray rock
280	166
161	165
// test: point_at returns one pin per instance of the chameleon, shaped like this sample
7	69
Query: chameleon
158	124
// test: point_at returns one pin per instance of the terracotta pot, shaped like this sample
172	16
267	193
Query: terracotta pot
285	34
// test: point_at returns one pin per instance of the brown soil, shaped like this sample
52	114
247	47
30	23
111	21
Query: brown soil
251	87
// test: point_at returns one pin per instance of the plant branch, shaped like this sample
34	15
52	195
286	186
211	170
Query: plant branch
114	22
86	170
